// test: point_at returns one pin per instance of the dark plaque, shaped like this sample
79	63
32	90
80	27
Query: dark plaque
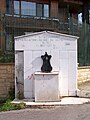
46	67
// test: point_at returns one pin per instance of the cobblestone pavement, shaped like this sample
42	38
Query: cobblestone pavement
68	112
85	86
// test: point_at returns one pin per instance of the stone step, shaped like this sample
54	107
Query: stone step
83	93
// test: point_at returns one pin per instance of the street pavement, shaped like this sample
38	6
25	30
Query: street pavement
66	112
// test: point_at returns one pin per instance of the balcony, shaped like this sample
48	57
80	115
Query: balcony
40	23
26	24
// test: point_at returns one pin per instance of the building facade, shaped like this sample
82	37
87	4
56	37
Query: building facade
19	17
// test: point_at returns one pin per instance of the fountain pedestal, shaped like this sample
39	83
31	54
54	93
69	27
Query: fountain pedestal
47	86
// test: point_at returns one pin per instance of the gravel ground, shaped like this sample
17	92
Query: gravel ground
68	112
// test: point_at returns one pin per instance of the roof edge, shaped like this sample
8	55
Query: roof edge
35	33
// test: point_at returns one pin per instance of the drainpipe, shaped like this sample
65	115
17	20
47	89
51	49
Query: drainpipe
85	39
68	19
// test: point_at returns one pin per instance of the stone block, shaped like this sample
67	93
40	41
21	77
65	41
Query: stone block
9	69
3	71
6	79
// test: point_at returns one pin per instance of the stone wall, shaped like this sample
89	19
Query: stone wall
83	74
6	79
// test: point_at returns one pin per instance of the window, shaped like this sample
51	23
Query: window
9	6
24	8
16	7
89	16
9	42
32	9
28	8
39	10
43	10
80	18
46	10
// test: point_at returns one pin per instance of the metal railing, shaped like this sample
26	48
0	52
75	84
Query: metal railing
70	26
41	23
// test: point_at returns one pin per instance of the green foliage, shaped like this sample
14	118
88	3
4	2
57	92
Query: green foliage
6	58
7	106
19	106
11	93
